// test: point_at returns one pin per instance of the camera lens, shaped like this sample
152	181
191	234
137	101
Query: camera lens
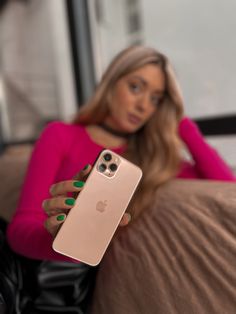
107	157
113	167
102	167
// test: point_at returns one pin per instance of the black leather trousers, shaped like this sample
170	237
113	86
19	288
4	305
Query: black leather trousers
42	287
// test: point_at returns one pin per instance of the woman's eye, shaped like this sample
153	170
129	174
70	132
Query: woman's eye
134	87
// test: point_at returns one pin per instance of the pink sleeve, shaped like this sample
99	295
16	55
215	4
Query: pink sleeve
26	233
207	160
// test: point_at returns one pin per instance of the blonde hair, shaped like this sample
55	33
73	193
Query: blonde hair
156	147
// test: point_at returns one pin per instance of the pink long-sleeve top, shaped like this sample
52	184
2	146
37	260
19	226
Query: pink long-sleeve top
63	150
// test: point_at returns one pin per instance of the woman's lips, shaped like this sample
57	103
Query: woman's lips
134	119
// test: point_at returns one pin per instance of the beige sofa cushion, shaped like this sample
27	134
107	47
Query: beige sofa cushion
179	257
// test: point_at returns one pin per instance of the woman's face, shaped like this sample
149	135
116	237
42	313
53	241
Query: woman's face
135	98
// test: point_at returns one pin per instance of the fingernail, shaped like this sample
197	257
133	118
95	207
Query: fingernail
86	167
78	184
61	217
70	201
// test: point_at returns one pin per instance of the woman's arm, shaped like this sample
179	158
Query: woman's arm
26	233
207	161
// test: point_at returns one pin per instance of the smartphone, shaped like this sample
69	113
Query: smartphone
99	207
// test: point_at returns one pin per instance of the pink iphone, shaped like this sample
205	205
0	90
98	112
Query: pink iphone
92	222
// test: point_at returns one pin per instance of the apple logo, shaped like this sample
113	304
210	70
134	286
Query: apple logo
101	206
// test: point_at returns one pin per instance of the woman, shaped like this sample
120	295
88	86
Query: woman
137	111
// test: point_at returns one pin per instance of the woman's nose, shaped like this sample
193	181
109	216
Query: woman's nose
142	104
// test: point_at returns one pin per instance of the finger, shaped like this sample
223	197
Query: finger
83	174
53	223
125	220
57	204
64	187
56	211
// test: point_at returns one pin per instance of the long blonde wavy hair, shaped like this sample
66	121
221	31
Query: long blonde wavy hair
156	147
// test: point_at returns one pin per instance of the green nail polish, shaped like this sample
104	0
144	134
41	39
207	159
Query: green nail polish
86	167
60	217
70	201
78	184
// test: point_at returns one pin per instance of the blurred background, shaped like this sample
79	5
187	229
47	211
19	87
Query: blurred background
52	53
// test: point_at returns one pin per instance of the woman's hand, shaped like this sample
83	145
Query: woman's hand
59	204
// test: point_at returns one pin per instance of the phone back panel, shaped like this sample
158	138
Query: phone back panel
91	223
